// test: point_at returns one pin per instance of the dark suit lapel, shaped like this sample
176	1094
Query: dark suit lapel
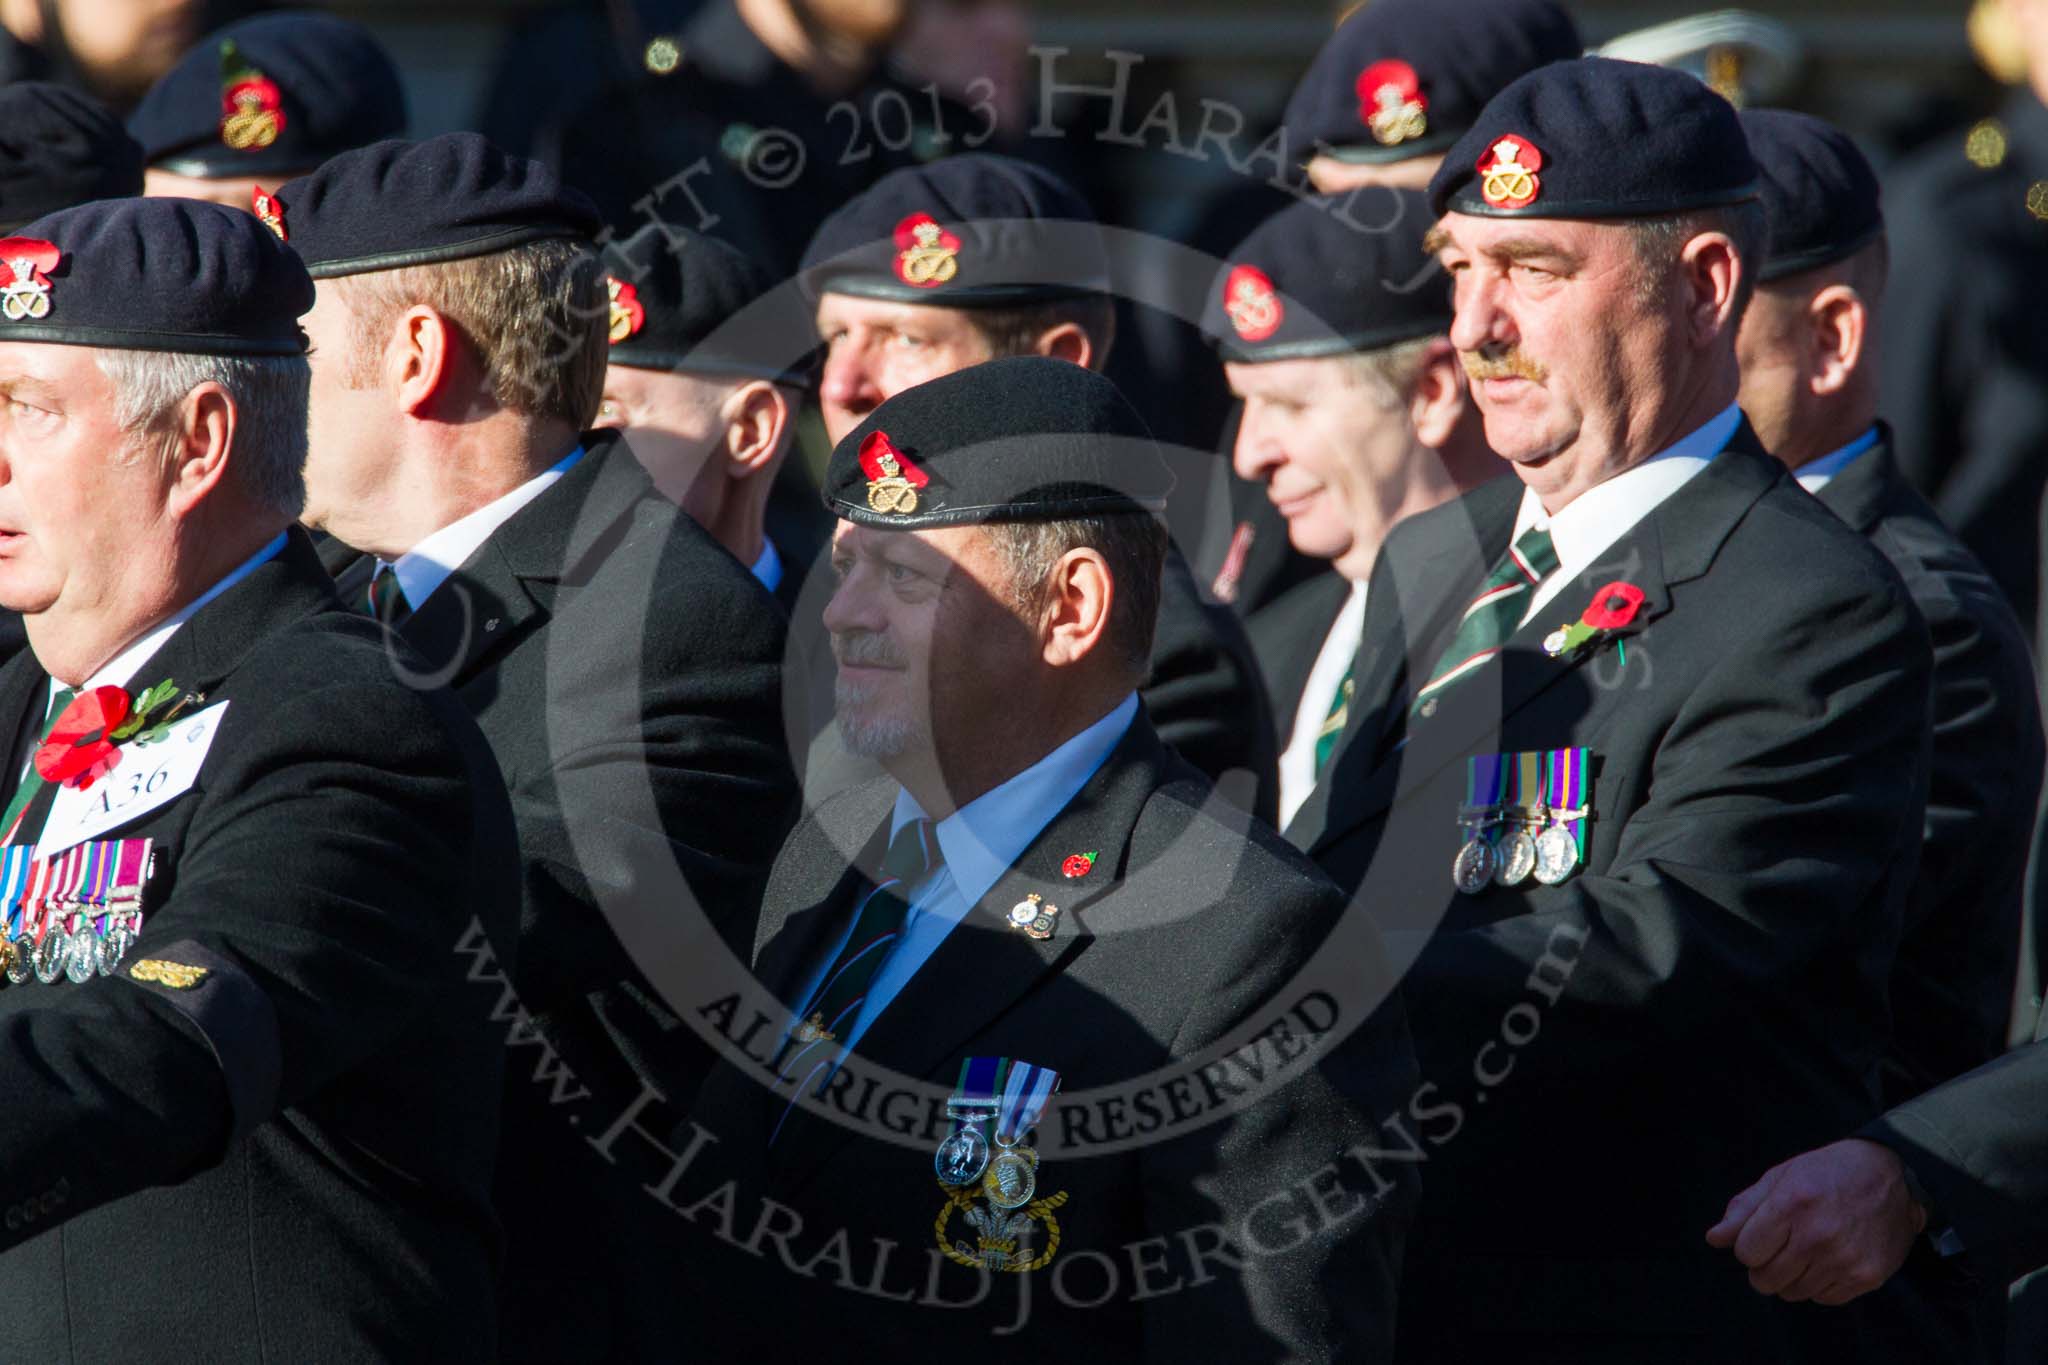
984	967
1860	494
24	702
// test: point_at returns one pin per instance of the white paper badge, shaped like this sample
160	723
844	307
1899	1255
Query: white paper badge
150	775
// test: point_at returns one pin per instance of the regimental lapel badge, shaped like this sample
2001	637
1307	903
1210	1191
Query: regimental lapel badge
1524	815
1391	103
927	255
1035	916
177	975
1251	303
813	1030
251	105
1612	609
1010	1096
1507	173
265	206
629	315
25	286
75	914
893	480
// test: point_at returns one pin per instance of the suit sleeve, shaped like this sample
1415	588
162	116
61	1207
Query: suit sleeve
1980	1147
321	889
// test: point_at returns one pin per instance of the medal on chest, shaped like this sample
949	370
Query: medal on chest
1524	816
989	1174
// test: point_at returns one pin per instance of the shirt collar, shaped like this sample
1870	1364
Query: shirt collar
985	837
768	566
118	671
427	565
1814	475
1594	520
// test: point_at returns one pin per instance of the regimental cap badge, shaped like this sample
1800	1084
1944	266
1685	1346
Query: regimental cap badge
1252	303
893	480
24	279
1507	172
177	975
251	105
1391	103
629	315
265	206
927	255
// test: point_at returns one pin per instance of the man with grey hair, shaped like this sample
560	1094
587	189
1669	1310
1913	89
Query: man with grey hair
623	666
240	856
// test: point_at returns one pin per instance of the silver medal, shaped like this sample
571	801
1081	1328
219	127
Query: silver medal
113	948
78	956
18	968
1514	858
48	957
1012	1178
1557	853
962	1157
1472	869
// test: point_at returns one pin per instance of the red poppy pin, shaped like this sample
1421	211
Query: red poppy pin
251	105
1507	173
1252	304
1078	865
927	255
265	206
629	315
25	263
893	480
84	743
1613	608
1391	103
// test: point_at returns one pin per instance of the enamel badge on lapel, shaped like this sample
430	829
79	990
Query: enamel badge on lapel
1078	865
266	208
893	480
1035	916
1005	1180
252	107
629	315
1507	172
25	287
1391	103
927	255
1251	303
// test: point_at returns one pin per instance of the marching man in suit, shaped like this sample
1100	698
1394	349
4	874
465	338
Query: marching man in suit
1637	759
1041	919
251	1109
1356	414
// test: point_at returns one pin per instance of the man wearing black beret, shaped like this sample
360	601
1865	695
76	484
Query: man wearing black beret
1638	761
704	377
1356	414
1401	80
623	666
1039	901
251	1113
976	257
264	100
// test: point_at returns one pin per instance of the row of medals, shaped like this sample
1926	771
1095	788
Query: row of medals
1008	1175
76	952
1509	844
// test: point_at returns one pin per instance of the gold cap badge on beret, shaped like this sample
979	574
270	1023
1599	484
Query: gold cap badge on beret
1507	173
629	315
24	287
1252	303
893	480
264	205
251	105
927	255
1391	103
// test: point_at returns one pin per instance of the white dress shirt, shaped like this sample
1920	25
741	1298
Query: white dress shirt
768	567
1582	529
427	565
1340	647
979	842
1815	475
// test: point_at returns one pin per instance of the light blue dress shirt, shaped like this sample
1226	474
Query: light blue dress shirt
1815	475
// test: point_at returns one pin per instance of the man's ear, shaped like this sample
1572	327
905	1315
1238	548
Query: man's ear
1067	341
757	418
1838	324
1074	619
424	344
1438	398
1712	274
199	448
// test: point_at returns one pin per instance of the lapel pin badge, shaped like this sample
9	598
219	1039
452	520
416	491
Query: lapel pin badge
1034	916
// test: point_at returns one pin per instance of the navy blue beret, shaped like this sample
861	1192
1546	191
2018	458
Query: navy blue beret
967	231
1022	439
270	96
153	275
1403	78
1820	195
1598	138
420	203
1330	276
683	301
59	148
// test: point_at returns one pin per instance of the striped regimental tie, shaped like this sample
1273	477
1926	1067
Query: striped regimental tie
1495	614
834	1007
385	600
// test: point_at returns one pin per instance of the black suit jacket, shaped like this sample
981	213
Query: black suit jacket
1705	997
1952	987
290	1160
625	670
1287	635
1191	927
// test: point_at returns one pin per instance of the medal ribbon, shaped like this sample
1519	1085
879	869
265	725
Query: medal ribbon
974	1098
1486	778
15	861
1567	790
1025	1094
1528	781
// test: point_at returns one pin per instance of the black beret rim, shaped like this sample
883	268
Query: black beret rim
1120	504
178	343
205	168
1457	202
1813	258
690	362
487	245
1378	154
1311	348
870	286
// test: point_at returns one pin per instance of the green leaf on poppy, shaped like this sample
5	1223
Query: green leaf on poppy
138	715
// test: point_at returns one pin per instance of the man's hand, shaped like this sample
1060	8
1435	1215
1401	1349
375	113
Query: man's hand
1827	1225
